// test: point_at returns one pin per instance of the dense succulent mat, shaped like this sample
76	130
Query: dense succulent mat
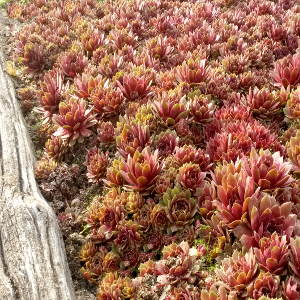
183	118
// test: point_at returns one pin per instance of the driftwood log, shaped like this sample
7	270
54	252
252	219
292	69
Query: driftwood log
33	264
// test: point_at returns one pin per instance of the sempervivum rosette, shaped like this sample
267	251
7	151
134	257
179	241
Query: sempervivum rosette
50	95
133	137
290	132
181	207
264	217
106	133
34	59
135	87
287	71
72	62
292	109
193	71
74	121
55	148
265	284
238	271
293	150
188	153
202	108
97	163
166	142
263	102
294	264
106	100
213	294
86	83
171	108
291	289
269	171
234	188
191	177
116	287
111	262
141	171
185	268
128	234
272	254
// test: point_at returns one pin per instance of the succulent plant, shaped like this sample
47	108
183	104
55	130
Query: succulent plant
143	215
34	59
140	171
130	258
185	292
133	137
97	163
55	148
116	288
185	269
269	171
291	289
292	109
195	101
287	71
192	71
93	267
159	48
146	268
228	147
191	177
238	271
166	143
73	121
181	207
293	152
111	262
44	168
202	108
106	100
265	216
217	294
106	133
153	240
170	108
86	84
265	284
263	102
72	63
294	263
110	214
272	254
134	87
290	132
110	65
127	234
91	40
162	184
50	95
188	153
159	217
134	202
233	191
88	250
120	38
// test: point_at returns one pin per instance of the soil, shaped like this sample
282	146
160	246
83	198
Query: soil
72	239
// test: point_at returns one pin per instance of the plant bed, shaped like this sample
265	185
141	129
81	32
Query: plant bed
168	138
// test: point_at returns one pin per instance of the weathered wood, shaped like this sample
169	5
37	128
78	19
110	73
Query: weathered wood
33	264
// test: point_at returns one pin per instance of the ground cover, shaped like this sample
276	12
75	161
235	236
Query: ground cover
168	141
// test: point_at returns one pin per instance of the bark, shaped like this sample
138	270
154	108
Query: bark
33	264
